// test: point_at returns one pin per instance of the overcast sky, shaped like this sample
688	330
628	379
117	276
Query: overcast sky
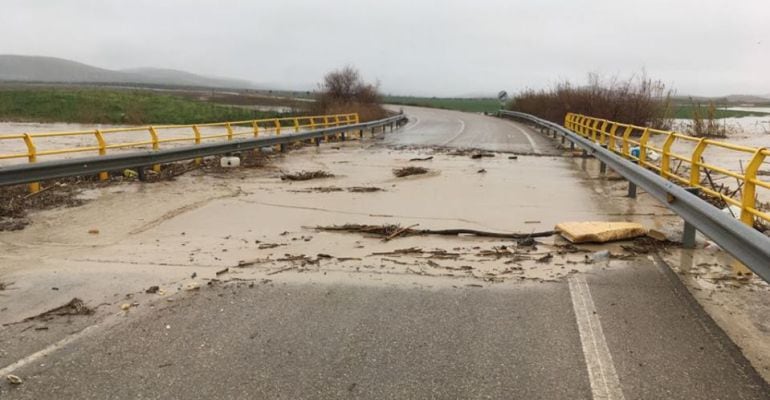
419	47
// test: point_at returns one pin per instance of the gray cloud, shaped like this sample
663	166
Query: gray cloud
412	47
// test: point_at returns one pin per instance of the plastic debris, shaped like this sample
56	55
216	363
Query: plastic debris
229	162
598	256
13	379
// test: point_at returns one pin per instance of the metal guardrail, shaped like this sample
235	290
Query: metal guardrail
160	134
53	169
605	133
740	240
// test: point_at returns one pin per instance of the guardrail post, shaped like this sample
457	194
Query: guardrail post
197	134
643	146
695	162
34	187
229	131
613	131
277	124
104	175
602	165
626	135
665	160
155	146
602	130
688	233
255	127
631	190
748	199
296	125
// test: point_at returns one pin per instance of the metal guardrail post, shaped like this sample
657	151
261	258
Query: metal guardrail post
688	233
602	165
34	187
104	175
197	134
695	162
155	146
665	160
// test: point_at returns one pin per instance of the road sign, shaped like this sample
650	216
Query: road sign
502	96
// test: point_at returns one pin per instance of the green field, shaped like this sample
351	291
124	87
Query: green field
107	106
477	105
685	111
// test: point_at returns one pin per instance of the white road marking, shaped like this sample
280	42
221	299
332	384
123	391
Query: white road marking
456	135
601	370
535	149
46	351
412	126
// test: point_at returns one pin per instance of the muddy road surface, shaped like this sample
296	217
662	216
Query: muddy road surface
253	283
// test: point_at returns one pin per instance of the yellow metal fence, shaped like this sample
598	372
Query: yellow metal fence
680	158
101	140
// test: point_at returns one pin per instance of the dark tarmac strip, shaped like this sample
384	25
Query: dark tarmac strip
328	341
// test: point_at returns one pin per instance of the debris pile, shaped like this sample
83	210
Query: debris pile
407	171
306	175
393	231
73	307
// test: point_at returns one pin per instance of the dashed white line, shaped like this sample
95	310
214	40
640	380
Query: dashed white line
601	370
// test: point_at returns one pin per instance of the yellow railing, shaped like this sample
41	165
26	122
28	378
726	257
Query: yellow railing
659	150
98	140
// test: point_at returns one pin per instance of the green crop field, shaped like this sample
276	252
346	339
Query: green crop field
85	105
685	111
477	105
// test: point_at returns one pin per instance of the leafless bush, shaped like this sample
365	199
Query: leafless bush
638	100
344	91
708	125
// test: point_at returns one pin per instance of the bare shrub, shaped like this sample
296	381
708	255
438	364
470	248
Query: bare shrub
708	125
638	100
344	91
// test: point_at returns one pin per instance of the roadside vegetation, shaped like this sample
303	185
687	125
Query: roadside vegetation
637	100
344	91
477	105
114	106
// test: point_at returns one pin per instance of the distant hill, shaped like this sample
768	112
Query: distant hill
17	68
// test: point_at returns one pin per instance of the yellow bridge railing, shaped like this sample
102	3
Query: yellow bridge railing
29	145
660	150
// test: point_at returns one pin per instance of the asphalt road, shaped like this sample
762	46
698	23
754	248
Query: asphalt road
443	128
627	332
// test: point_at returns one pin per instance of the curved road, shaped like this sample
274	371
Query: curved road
444	128
627	332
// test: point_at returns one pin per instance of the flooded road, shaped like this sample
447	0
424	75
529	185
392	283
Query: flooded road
254	300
